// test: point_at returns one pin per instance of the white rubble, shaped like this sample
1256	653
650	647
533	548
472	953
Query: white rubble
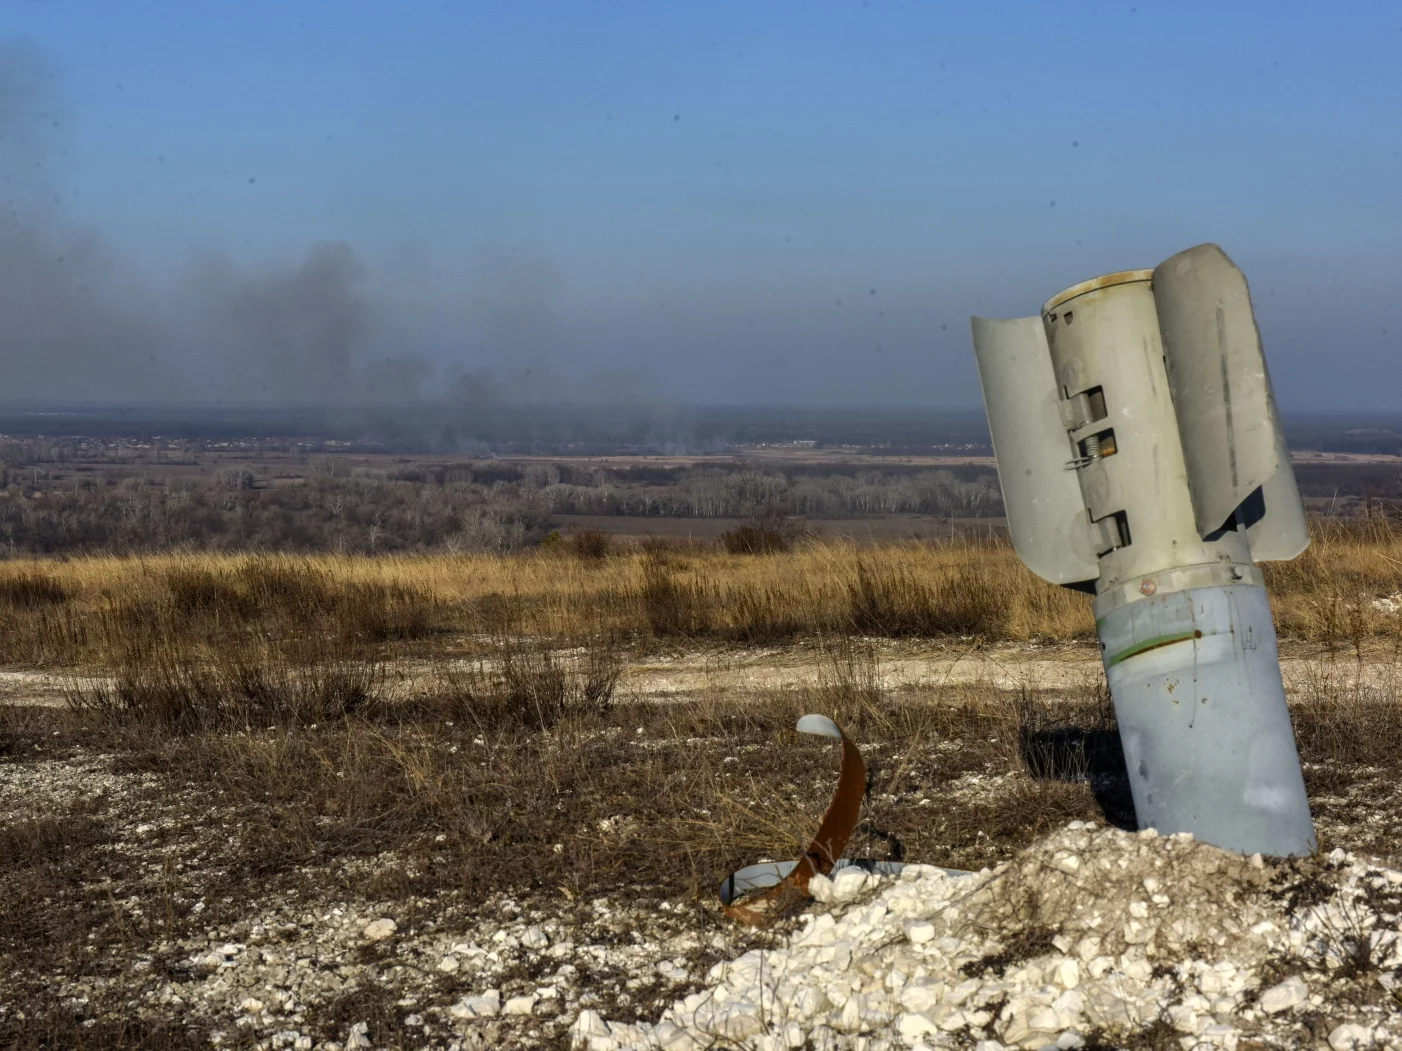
1290	993
1389	604
1350	1035
1090	935
379	930
488	1005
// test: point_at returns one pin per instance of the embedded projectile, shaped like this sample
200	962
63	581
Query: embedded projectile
1141	459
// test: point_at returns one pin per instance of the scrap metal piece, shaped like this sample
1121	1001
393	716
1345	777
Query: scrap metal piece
1279	532
785	883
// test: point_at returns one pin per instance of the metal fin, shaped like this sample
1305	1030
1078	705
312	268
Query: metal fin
1046	511
1217	377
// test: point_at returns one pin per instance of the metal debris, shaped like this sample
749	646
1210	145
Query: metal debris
785	883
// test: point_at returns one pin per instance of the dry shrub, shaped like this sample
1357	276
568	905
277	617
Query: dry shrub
199	592
37	622
172	690
759	616
892	601
355	610
589	545
1343	717
753	539
671	605
279	596
1071	740
32	590
498	614
43	636
528	685
849	680
373	613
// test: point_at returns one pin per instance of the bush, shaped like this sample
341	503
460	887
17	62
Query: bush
589	545
172	690
31	591
750	539
529	685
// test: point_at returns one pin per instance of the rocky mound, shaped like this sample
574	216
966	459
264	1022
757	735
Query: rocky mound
1093	938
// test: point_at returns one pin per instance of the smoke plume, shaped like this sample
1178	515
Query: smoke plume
77	325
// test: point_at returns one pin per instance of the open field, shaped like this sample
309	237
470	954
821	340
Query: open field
97	610
218	771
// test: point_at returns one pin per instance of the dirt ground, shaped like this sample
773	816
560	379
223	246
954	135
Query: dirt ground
688	673
419	881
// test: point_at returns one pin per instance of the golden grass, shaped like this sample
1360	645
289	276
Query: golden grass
87	609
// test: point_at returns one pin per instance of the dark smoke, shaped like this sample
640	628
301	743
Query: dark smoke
67	318
77	326
514	297
286	334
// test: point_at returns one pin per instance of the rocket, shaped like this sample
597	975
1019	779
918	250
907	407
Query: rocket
1142	461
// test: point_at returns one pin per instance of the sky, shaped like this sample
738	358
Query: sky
721	202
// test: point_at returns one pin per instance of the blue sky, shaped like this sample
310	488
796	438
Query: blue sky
743	202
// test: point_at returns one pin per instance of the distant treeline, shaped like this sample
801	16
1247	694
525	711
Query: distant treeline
60	497
465	507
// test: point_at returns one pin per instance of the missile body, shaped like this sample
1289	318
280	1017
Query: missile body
1140	456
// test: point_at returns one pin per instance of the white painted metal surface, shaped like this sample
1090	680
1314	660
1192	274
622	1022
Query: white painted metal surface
1149	431
1046	515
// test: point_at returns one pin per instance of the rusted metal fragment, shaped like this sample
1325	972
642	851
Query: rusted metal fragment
770	873
785	884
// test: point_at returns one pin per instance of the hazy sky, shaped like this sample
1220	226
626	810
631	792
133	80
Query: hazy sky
743	202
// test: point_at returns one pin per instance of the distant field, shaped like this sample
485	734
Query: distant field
82	496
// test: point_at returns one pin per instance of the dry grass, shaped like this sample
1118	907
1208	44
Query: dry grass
669	796
1326	595
95	610
510	761
233	688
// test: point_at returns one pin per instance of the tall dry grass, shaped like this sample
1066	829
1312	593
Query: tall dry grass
100	610
96	610
1331	592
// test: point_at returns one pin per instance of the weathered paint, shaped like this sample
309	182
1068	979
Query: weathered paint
1151	644
1208	744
